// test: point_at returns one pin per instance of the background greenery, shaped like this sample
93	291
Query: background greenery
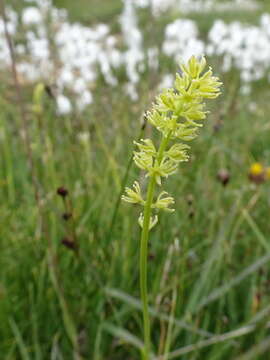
209	261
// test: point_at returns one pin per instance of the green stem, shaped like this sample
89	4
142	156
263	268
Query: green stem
143	267
144	253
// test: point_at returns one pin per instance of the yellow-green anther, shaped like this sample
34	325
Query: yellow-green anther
178	152
147	146
133	196
143	160
153	221
164	202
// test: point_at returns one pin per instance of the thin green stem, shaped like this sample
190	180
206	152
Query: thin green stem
144	252
143	267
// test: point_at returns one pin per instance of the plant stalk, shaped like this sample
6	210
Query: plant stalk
144	253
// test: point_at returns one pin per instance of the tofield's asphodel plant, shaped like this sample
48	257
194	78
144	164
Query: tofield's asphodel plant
175	114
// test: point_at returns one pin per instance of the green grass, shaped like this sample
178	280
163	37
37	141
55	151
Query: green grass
209	265
91	11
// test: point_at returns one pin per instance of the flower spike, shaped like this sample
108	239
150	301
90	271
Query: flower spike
177	114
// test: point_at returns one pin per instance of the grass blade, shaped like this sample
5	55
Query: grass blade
120	295
222	290
124	335
19	340
213	340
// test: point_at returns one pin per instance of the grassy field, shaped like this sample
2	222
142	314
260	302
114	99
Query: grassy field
209	261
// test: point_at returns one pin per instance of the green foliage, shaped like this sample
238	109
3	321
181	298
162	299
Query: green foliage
213	252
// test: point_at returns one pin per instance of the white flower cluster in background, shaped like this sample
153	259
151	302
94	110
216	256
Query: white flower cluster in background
181	40
244	47
12	22
72	56
83	53
240	46
133	57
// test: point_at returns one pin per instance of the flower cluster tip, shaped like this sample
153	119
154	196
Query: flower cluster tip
177	114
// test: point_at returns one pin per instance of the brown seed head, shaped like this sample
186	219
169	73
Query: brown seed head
62	191
223	176
66	216
69	243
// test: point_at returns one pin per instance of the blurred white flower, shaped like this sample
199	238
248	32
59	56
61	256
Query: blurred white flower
166	81
28	71
64	106
245	89
134	55
85	99
131	91
245	47
181	40
31	15
143	3
153	58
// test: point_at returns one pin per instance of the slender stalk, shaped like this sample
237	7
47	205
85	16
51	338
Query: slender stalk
143	267
144	253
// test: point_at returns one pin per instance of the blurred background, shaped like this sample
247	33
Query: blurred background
76	78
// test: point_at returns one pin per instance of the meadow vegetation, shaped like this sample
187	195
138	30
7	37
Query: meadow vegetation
69	248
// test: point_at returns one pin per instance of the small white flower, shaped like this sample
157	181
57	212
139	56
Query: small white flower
31	16
166	81
84	100
64	106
